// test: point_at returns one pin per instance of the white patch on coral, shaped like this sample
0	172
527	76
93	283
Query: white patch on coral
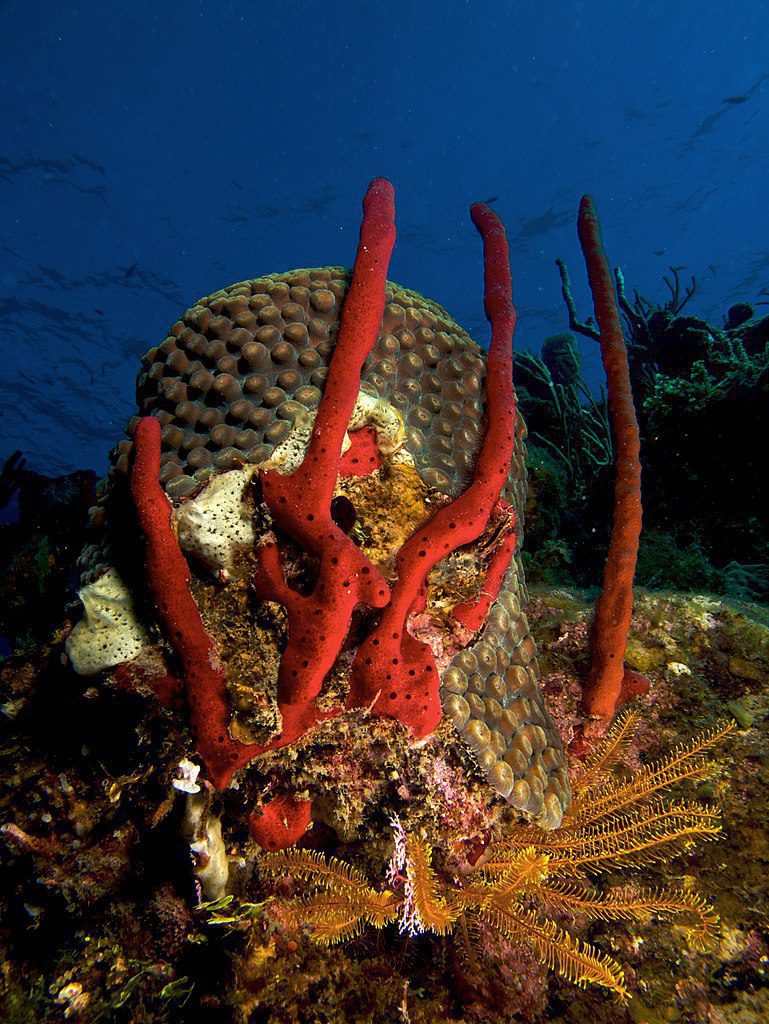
678	668
203	831
186	782
383	417
289	454
109	632
216	527
368	412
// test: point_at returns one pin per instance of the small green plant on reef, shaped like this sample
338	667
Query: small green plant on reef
228	914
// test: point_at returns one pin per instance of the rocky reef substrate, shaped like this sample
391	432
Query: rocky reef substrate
102	917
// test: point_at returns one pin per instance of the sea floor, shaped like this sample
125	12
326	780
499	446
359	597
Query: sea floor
707	660
92	929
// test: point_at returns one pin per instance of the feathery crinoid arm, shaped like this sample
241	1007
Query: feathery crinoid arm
345	901
335	917
513	871
311	866
467	941
430	910
633	838
578	962
686	761
701	921
599	764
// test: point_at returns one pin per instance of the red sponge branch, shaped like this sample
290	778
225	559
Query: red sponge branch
393	671
604	686
300	502
168	576
472	614
169	582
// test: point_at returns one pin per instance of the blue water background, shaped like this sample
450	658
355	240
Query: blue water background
154	152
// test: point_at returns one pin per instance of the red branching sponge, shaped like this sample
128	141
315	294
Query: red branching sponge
168	576
281	822
472	614
319	622
300	502
393	672
603	689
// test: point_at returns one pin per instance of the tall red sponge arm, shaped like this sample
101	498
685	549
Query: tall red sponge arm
168	576
393	671
300	502
604	686
472	614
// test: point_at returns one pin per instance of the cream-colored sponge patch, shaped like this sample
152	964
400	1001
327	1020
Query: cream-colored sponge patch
109	632
367	412
216	526
383	417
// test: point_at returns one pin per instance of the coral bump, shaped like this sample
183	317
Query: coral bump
603	689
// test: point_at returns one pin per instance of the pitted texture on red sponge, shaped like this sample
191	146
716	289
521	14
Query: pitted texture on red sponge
281	822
